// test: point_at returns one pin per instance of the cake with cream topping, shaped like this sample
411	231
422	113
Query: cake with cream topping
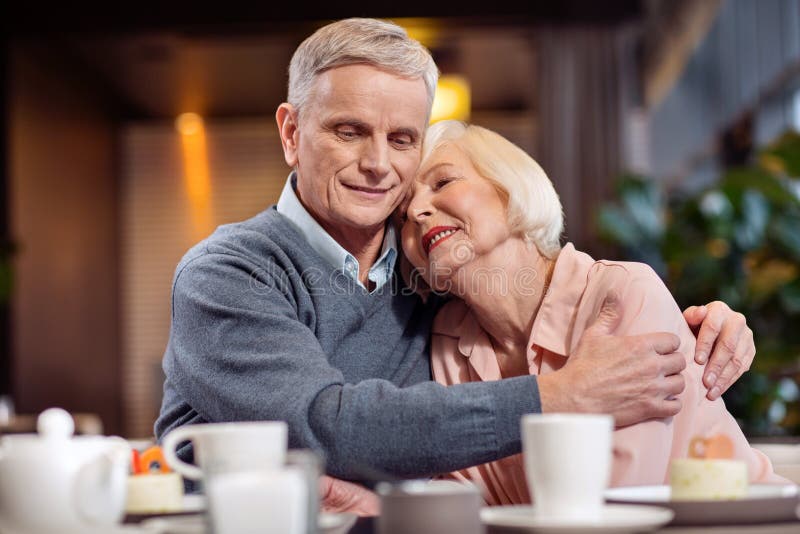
153	488
709	473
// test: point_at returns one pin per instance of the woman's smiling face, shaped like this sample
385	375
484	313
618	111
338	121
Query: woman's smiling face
454	216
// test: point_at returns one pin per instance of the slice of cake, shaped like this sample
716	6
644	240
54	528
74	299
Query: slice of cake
709	473
153	488
157	493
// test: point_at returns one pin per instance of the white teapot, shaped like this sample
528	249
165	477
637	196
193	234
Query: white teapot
52	482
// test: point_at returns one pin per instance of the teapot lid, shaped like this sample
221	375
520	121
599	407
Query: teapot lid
55	423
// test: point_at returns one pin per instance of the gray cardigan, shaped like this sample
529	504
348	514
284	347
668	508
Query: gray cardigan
264	329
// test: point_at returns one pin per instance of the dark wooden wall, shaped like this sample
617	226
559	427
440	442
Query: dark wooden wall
62	195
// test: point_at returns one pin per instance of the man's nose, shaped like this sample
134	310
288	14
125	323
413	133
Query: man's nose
375	158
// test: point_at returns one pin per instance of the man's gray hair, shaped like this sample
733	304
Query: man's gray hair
355	41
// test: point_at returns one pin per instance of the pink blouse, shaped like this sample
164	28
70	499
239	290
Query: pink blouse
462	352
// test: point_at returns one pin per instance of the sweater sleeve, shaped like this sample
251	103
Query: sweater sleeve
239	351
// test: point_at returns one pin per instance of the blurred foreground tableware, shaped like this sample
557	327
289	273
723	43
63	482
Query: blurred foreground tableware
227	446
198	524
267	501
764	503
250	483
54	482
429	507
567	464
85	424
614	519
192	504
272	500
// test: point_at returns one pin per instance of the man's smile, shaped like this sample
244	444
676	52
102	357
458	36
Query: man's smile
368	192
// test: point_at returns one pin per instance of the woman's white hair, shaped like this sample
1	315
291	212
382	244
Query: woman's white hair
379	43
534	209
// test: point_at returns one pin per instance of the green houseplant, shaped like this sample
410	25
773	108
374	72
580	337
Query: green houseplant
737	241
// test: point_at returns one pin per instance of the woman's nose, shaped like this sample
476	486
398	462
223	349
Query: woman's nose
419	208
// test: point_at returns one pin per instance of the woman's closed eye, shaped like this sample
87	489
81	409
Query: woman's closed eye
441	182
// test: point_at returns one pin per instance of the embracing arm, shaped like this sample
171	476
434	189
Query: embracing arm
724	334
238	351
635	377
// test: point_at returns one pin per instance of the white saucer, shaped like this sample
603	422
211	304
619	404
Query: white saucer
194	503
327	523
613	518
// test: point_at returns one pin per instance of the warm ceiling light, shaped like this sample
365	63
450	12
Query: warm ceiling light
189	123
426	31
452	100
197	175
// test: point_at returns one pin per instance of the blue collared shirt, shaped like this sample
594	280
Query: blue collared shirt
381	272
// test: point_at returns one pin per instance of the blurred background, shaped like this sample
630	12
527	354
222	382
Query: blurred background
129	132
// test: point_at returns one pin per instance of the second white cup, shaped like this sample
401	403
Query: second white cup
567	463
221	447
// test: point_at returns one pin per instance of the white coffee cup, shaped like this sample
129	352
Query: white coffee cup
221	447
567	463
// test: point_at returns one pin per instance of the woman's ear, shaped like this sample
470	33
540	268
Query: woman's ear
286	117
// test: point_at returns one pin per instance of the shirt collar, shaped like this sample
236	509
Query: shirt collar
331	251
552	328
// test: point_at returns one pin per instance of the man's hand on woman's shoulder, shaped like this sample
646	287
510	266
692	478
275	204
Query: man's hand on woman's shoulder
633	378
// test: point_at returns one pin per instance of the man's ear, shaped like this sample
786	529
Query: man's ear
286	117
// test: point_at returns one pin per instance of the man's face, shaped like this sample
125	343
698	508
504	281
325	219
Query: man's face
356	146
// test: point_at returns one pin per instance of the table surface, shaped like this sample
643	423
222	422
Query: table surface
366	525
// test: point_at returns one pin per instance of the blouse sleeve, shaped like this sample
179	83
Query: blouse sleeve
642	452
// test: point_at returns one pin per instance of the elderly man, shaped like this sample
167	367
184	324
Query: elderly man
297	313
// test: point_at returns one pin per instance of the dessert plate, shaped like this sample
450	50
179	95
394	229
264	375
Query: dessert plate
764	503
192	504
614	518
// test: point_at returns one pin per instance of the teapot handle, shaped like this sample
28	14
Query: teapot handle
103	504
170	445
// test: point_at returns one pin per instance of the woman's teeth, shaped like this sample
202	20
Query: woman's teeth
439	236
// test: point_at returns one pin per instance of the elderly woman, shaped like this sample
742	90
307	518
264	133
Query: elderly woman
484	225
